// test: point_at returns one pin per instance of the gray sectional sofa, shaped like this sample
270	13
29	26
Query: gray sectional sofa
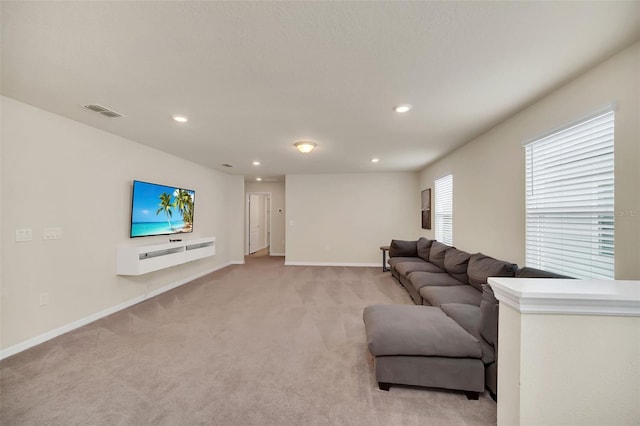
450	340
434	273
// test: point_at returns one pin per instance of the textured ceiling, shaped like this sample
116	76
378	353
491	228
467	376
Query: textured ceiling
253	77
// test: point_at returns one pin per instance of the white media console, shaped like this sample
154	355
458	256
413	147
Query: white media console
138	260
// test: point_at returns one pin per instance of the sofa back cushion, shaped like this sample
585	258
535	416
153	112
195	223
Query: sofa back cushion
456	262
424	246
527	272
402	248
437	252
489	316
482	267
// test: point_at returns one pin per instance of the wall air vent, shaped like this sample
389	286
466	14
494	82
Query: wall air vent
104	111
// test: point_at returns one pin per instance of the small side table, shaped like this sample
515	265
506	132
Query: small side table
384	250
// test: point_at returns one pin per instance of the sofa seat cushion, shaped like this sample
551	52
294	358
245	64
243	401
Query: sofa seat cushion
393	261
469	318
394	330
436	296
405	268
421	279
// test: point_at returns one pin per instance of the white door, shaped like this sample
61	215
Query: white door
267	221
254	223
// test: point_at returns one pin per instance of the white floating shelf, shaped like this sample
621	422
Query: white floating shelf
138	260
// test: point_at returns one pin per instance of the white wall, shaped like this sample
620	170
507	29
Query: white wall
345	218
59	173
592	360
488	173
583	369
277	212
235	219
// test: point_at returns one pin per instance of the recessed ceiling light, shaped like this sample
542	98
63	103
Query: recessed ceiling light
402	108
375	160
180	118
258	179
305	146
256	163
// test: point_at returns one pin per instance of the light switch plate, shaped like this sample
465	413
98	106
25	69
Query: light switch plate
43	299
23	235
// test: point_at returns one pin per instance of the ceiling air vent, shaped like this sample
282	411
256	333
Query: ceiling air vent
227	165
104	111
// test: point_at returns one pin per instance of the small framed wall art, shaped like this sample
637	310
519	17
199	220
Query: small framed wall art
426	208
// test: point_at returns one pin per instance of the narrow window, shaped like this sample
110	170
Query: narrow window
570	199
444	209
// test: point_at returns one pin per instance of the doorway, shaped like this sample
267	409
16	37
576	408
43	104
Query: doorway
258	220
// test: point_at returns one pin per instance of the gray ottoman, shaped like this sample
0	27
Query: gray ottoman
421	346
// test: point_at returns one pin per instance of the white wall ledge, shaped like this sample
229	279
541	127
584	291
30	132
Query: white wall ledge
571	297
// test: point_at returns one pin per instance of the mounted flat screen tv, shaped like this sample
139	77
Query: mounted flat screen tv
160	210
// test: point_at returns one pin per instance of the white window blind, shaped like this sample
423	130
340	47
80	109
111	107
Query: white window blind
569	199
444	209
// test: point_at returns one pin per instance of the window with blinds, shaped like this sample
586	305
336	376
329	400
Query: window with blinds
569	199
443	188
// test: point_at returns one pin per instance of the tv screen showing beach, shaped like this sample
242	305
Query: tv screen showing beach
160	210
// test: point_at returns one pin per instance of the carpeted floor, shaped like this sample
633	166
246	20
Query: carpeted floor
254	344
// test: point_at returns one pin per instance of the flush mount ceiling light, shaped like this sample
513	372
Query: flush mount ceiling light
258	179
180	118
305	146
402	108
375	160
256	163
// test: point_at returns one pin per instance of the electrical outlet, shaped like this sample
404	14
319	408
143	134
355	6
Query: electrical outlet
52	233
44	299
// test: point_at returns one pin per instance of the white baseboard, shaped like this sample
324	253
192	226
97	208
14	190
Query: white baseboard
236	262
34	341
358	265
277	254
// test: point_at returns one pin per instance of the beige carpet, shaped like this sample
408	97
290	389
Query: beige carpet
254	344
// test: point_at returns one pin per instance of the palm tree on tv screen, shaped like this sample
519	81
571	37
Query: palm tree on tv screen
165	206
184	202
